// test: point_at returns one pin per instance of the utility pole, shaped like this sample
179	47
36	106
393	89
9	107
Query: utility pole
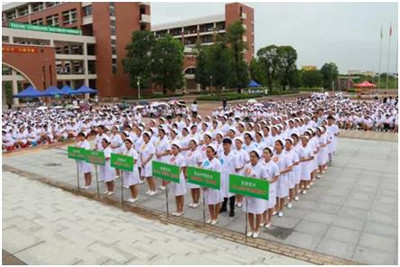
138	84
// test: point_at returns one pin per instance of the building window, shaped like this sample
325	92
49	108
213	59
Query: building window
37	22
112	9
114	65
38	7
87	10
113	46
69	16
112	25
11	15
142	27
52	20
23	11
142	11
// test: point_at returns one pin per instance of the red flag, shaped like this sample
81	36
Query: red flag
390	33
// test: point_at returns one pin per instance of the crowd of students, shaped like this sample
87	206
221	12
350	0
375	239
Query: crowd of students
291	150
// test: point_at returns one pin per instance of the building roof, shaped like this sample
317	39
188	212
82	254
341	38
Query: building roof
188	22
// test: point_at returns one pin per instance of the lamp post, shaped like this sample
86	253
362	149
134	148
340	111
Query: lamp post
138	84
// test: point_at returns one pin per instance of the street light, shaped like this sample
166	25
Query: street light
138	84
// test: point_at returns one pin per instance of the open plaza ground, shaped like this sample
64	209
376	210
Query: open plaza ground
351	213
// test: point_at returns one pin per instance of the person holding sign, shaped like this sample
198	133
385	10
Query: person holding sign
83	166
242	158
147	151
116	146
282	192
194	159
162	150
132	177
106	173
178	189
213	197
272	172
227	159
255	206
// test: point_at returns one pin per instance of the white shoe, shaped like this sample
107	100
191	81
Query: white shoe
141	182
132	200
191	205
256	234
105	192
88	187
196	205
268	225
280	214
177	214
162	188
304	192
214	222
126	186
249	234
296	198
148	192
152	193
110	193
298	191
209	221
117	177
308	187
236	204
289	205
319	176
324	170
83	187
174	213
240	204
274	213
262	224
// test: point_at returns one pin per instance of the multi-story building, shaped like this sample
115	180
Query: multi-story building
204	31
70	43
76	43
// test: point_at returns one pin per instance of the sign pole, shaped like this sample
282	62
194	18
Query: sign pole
77	176
166	197
204	208
247	211
122	188
97	182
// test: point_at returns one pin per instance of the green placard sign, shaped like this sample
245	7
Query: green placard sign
248	186
78	153
121	162
166	171
95	157
42	28
202	177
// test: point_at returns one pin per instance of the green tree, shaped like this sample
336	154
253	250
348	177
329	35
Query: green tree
287	56
239	77
330	73
269	64
218	65
311	78
167	62
137	62
202	75
256	71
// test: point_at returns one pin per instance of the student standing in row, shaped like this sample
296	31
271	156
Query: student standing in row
147	151
83	166
227	159
132	177
106	173
178	189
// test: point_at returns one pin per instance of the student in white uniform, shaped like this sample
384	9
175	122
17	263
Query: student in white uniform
242	158
213	198
228	163
282	192
194	159
106	173
132	177
255	206
272	175
163	151
147	152
293	159
306	164
99	137
116	146
84	167
178	189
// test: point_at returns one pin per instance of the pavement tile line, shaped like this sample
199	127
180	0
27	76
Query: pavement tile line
239	238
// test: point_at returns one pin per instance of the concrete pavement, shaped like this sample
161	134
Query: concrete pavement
46	225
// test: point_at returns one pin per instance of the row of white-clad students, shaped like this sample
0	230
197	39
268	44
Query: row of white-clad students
290	166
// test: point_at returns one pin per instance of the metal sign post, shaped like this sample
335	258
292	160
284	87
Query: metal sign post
122	188
97	181
204	207
77	176
247	212
166	199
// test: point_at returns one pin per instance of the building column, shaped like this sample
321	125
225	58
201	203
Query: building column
86	68
15	88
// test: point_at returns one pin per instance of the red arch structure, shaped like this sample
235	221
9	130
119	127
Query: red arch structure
36	63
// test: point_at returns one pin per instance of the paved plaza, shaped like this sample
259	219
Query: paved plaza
50	226
350	213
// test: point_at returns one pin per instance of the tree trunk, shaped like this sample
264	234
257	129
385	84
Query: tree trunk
164	90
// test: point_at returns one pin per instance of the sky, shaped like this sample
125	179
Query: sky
347	34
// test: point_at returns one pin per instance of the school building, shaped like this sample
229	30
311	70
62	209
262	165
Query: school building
56	43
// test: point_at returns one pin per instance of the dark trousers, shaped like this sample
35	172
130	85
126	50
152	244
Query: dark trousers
231	204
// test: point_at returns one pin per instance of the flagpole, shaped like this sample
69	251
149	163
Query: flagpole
380	60
388	61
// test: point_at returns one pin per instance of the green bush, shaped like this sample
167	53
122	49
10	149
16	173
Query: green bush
281	92
311	89
228	96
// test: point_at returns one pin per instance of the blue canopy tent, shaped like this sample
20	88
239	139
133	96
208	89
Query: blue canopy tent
53	91
86	90
68	90
29	92
253	84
